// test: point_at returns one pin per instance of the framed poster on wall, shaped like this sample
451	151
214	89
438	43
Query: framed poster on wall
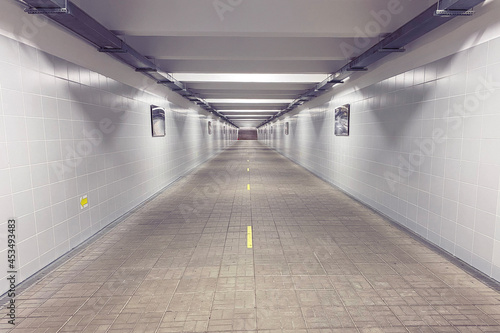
342	119
157	121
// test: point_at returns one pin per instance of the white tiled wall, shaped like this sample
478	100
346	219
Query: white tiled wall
424	149
66	132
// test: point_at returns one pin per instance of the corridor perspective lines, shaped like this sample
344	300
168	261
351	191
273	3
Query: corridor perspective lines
320	262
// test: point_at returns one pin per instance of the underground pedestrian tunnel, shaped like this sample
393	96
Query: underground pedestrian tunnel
249	166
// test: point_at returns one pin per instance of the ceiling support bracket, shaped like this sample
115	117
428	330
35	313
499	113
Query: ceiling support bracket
357	69
106	41
146	70
392	50
55	10
450	8
112	50
425	22
453	12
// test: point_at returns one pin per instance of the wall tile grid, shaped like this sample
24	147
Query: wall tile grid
66	132
423	149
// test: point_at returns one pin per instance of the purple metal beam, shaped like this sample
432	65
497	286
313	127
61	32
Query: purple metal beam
394	42
82	24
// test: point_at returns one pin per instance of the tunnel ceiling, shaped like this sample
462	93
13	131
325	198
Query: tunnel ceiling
266	53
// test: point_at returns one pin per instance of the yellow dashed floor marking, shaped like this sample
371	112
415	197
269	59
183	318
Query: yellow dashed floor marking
249	237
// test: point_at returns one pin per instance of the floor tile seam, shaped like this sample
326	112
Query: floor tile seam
166	307
51	267
385	303
127	301
253	259
473	272
344	305
281	246
108	229
81	306
337	293
219	273
385	261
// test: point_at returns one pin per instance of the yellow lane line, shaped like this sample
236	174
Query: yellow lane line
249	237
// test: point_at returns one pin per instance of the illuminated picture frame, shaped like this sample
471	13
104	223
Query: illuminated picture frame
157	121
342	120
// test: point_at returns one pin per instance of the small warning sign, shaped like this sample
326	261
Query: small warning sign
84	202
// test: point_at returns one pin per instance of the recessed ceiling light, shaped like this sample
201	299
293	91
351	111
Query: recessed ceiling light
247	111
247	101
249	119
250	115
234	77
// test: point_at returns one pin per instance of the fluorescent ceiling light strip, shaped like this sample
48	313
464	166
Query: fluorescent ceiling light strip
247	111
250	77
249	115
247	101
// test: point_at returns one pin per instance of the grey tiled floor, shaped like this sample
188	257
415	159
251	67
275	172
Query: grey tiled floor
320	262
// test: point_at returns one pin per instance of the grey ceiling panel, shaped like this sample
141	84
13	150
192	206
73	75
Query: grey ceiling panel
258	36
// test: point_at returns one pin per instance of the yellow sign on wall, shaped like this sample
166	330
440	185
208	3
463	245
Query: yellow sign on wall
84	202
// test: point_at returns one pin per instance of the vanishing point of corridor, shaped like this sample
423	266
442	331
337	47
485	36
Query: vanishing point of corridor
251	242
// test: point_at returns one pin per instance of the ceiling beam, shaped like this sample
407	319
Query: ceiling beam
250	66
409	32
79	22
249	86
240	48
